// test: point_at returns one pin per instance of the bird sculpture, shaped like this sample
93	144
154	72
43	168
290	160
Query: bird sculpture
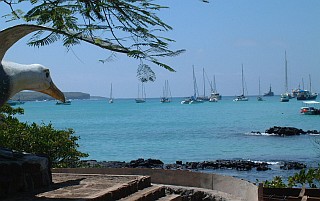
17	77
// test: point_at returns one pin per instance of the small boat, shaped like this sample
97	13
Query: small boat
310	108
67	102
214	99
242	97
269	93
111	98
141	97
284	97
166	98
193	99
186	100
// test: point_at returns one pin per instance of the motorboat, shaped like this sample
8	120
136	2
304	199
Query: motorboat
310	108
241	98
284	97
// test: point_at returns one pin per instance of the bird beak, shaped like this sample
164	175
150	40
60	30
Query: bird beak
54	92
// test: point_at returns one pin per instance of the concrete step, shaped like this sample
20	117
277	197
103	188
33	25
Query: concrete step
171	197
151	193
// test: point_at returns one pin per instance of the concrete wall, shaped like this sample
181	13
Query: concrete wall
240	188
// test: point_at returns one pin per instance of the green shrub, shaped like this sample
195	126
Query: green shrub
309	178
59	145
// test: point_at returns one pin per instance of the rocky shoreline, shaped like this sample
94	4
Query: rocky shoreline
286	131
240	165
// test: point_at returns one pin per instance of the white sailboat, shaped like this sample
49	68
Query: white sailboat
141	97
215	96
111	98
259	98
204	97
193	99
285	97
242	97
166	98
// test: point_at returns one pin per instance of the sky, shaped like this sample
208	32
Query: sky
219	37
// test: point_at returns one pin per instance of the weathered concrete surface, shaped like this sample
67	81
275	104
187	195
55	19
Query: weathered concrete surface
87	187
242	190
193	193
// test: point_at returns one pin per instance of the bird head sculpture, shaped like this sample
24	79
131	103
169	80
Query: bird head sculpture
17	77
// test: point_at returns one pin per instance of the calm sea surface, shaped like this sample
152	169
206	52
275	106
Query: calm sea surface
125	131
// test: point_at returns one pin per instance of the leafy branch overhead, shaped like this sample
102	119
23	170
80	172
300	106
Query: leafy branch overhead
124	26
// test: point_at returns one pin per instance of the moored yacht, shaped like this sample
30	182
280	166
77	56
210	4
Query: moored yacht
242	97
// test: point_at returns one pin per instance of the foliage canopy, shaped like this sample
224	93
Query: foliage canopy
132	26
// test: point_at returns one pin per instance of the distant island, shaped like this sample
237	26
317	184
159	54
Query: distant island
37	96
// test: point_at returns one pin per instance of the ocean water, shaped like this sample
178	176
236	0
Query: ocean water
125	131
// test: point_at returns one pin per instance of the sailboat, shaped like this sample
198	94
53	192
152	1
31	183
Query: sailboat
166	98
307	94
259	98
242	97
193	99
111	98
285	97
204	97
215	96
142	98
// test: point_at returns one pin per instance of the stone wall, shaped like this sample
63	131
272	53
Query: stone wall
22	172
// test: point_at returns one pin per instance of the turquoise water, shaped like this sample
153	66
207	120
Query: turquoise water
125	130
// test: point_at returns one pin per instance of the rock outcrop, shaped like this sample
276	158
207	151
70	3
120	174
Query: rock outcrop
287	131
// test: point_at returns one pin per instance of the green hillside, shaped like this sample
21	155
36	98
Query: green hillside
33	96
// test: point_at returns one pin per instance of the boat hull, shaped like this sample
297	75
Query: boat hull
140	100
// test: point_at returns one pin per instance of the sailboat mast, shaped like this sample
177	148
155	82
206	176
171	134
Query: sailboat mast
111	91
214	84
194	83
204	84
310	83
286	71
259	86
242	80
143	93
